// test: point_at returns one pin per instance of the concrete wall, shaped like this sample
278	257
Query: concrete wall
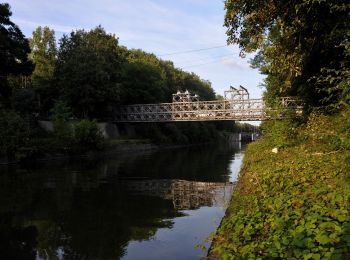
238	137
46	125
109	130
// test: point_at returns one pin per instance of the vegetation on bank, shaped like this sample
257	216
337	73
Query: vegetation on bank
292	199
294	203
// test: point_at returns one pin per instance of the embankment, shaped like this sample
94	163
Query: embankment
292	202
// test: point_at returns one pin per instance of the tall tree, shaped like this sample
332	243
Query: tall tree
88	72
43	54
303	45
14	49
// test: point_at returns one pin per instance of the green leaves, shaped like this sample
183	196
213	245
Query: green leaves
14	49
302	202
14	134
303	46
88	72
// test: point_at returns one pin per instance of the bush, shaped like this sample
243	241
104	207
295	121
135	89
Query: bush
280	133
328	133
87	134
14	134
61	111
63	135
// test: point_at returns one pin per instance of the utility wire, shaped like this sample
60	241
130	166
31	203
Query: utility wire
202	64
195	50
207	58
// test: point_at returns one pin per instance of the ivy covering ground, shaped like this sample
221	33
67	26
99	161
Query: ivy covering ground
294	204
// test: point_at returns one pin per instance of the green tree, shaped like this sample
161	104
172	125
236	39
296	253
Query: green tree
88	72
197	85
144	80
61	111
87	134
43	54
14	49
302	45
14	134
148	79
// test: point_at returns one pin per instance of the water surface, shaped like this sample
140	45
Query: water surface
145	205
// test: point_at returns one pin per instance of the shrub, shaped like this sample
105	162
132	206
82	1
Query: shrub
63	135
87	134
280	133
61	111
14	134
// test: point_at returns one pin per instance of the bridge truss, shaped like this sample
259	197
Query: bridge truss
187	107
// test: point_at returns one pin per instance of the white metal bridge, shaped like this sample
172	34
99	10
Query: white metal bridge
236	106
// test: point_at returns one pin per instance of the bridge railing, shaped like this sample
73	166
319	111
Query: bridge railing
238	110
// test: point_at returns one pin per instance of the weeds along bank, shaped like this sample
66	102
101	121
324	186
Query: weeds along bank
294	203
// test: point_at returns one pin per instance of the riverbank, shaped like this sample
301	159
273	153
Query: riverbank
292	201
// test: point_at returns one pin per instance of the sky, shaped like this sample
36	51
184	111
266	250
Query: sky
162	27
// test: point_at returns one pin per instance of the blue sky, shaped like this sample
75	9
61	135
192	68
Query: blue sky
157	26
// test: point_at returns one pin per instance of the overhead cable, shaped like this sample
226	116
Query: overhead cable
202	64
204	59
195	50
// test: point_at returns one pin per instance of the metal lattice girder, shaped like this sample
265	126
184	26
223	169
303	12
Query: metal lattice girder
237	110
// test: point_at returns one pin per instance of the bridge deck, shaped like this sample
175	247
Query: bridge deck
236	110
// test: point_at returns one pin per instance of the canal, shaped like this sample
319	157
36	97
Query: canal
145	205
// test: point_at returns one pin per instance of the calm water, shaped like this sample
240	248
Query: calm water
148	205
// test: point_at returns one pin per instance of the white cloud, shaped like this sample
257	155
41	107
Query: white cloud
236	64
55	27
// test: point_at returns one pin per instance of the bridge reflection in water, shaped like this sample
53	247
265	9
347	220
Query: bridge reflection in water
184	194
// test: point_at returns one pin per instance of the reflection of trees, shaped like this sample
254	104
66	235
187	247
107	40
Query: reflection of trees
184	194
17	241
83	210
204	163
84	221
99	221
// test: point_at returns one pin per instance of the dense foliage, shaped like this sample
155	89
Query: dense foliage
14	49
43	55
149	79
14	133
87	72
292	197
293	204
93	74
303	46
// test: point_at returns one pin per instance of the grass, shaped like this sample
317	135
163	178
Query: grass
294	204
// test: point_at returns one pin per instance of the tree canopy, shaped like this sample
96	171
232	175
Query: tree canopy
93	74
303	46
149	79
43	54
14	49
88	71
